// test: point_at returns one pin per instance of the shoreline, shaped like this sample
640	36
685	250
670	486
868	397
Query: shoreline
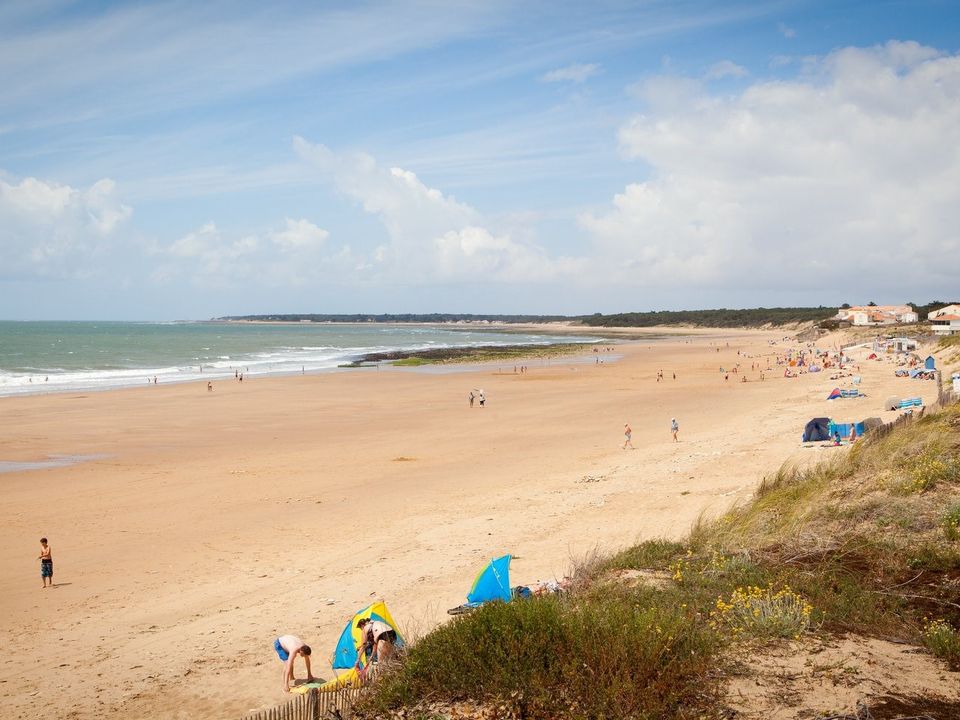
294	354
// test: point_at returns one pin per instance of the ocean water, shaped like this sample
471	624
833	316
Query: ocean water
41	357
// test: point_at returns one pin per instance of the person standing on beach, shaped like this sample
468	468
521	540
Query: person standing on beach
472	396
46	562
674	428
628	434
288	647
481	398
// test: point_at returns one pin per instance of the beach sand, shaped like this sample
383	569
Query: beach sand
208	523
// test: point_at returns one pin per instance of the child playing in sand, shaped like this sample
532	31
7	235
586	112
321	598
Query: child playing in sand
46	562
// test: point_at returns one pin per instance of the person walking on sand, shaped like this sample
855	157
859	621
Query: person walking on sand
481	398
628	434
472	396
674	428
46	563
288	647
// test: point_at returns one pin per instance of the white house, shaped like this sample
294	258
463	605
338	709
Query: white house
878	314
946	320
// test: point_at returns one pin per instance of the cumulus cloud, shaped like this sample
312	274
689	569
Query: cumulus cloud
431	237
211	257
298	235
54	230
845	177
787	32
725	68
576	73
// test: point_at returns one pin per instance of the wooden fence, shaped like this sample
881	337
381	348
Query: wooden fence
312	705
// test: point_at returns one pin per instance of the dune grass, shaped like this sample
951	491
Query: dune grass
864	543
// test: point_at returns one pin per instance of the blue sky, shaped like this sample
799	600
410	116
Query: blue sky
188	160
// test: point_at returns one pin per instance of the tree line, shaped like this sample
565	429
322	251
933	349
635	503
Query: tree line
750	317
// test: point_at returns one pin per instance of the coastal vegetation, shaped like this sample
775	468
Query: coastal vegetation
717	318
722	318
755	317
864	544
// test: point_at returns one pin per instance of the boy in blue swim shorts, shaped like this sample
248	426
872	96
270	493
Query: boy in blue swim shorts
288	647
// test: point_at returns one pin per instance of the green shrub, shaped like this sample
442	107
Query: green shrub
943	641
609	654
651	554
763	613
951	522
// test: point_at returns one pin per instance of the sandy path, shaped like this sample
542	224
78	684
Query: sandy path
215	521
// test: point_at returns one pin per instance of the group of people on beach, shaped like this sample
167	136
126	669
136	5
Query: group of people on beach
377	643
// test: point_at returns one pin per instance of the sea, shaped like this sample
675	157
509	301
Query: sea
45	357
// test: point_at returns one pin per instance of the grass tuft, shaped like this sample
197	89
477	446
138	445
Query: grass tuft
951	522
763	613
943	641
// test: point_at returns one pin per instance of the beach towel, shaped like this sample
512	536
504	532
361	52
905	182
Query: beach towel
306	687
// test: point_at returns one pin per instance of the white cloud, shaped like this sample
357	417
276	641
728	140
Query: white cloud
847	177
787	32
725	68
298	234
432	237
210	257
576	73
54	230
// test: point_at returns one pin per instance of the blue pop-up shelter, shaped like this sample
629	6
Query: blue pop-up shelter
930	363
345	654
491	583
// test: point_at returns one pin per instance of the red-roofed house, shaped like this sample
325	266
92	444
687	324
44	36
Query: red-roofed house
878	315
946	320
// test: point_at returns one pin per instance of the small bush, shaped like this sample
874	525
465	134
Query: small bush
763	613
651	554
951	522
610	653
943	641
927	469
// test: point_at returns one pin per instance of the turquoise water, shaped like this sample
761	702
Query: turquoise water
37	357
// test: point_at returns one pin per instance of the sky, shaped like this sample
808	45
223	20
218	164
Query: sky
184	160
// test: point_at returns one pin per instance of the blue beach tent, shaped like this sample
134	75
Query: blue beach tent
817	430
345	654
492	583
930	363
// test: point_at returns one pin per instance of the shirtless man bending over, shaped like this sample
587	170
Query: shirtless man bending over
288	647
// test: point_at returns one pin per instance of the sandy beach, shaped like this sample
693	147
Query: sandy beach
204	524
